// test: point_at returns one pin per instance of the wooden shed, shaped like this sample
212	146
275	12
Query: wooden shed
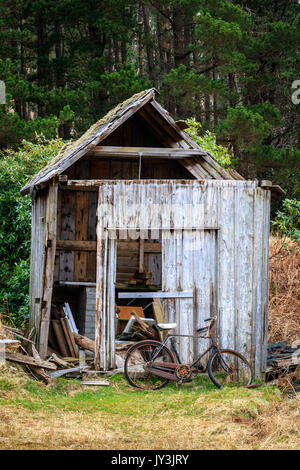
136	194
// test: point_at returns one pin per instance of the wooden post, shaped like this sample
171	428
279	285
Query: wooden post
105	292
142	255
99	290
49	270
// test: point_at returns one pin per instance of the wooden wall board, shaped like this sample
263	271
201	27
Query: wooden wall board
100	169
67	227
37	265
81	233
51	228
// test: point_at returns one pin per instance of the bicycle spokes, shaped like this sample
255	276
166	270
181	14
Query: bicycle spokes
230	368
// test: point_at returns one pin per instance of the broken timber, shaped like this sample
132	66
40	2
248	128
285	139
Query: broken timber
28	360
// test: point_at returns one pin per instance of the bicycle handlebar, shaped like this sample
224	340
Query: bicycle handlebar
212	321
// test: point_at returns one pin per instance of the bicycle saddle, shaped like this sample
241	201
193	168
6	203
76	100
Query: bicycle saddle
166	326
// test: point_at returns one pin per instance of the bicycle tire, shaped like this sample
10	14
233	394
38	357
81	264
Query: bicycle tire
217	363
149	382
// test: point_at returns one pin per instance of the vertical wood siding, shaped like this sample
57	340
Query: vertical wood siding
38	237
105	292
222	257
49	268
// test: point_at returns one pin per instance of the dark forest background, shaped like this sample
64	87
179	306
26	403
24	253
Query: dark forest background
230	65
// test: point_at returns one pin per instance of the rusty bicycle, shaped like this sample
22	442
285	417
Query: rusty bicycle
150	364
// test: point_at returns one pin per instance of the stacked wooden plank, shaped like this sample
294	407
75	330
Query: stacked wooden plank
14	350
284	361
61	338
144	278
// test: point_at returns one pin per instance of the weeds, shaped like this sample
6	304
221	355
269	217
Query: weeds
67	415
284	291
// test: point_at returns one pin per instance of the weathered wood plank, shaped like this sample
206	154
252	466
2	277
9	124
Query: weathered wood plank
49	269
81	233
22	359
91	256
153	152
158	294
68	203
76	245
37	265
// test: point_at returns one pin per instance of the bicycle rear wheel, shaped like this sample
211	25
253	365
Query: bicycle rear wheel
137	358
230	368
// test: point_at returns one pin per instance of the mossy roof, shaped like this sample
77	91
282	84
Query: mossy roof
69	152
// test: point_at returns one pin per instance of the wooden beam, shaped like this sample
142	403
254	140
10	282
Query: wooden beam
141	256
157	129
149	152
76	245
77	283
157	294
93	185
22	359
164	120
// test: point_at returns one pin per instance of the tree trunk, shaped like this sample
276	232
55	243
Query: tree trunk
140	42
149	44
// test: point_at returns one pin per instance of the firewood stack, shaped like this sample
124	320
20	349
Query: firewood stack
283	365
143	278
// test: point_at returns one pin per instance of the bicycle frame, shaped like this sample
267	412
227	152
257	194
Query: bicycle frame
170	336
174	369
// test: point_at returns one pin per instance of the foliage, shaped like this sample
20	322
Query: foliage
65	63
238	84
208	143
16	168
287	221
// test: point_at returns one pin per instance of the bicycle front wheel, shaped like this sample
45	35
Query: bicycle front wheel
137	359
228	367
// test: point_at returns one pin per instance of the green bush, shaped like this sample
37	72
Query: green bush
287	221
16	168
208	143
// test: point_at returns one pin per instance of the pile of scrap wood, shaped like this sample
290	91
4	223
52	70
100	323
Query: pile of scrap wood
283	365
23	352
14	350
70	354
141	330
61	332
143	278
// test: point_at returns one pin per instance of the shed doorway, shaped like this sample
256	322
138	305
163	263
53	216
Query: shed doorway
138	269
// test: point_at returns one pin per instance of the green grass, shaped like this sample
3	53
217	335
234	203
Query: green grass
119	416
34	395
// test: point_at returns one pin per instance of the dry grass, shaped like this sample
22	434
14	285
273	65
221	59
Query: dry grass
284	291
66	415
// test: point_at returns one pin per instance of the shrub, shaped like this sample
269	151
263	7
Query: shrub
16	168
287	221
208	143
